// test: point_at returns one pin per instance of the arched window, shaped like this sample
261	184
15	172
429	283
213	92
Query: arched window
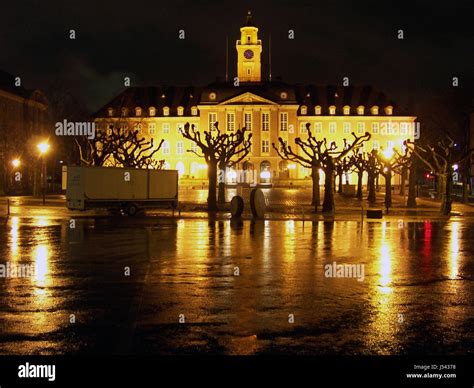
180	168
110	111
360	110
374	110
194	110
138	111
347	110
124	111
180	110
304	110
389	110
332	110
152	111
265	172
317	110
166	111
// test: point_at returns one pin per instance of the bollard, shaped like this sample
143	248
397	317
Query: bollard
8	206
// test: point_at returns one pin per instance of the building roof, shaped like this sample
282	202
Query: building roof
7	84
276	91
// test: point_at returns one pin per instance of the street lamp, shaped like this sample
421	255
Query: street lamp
16	163
43	150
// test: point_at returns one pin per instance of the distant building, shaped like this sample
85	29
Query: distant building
269	108
22	120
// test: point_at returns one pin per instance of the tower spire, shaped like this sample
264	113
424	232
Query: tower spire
249	18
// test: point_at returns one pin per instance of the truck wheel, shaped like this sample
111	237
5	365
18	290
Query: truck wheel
132	209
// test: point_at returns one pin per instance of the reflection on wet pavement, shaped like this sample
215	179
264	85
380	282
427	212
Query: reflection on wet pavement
236	287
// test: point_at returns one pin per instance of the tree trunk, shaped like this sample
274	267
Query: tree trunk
371	187
221	184
339	186
411	200
328	204
211	197
388	189
446	200
360	175
403	177
315	178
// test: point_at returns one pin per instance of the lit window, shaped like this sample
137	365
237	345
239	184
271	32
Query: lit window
347	127
265	122
332	110
138	127
403	128
303	128
152	128
212	121
319	127
283	121
374	110
304	110
265	146
124	111
152	111
110	111
248	121
317	110
166	111
180	128
194	111
375	127
347	110
332	127
283	95
165	147
390	145
360	110
375	145
230	121
138	111
388	110
180	110
360	128
179	147
166	128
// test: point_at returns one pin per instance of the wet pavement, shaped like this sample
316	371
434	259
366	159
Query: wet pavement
182	294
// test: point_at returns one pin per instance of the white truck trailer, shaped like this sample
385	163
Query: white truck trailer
127	189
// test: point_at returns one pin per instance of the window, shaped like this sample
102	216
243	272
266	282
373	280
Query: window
303	128
230	121
265	122
212	121
360	128
374	110
403	128
332	127
304	110
389	128
283	95
375	127
388	110
110	111
194	111
347	110
152	111
319	127
194	147
265	146
180	110
389	145
283	121
165	148
124	111
179	147
152	128
317	110
360	110
375	145
347	127
332	110
212	96
248	121
138	127
138	111
166	111
166	128
180	128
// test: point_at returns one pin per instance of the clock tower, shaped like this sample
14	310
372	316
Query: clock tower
249	49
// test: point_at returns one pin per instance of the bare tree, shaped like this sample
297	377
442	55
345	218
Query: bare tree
219	150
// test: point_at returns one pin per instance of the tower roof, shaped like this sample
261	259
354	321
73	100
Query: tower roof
249	21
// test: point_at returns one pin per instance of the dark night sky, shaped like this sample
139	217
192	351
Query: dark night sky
333	39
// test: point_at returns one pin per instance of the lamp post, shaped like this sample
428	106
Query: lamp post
43	149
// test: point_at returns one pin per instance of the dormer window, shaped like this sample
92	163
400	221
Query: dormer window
389	110
152	111
360	110
180	110
374	110
166	111
304	110
317	110
194	111
347	110
138	111
124	111
110	112
212	96
283	95
332	110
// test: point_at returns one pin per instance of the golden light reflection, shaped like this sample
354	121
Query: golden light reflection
42	221
454	246
14	239
41	264
385	269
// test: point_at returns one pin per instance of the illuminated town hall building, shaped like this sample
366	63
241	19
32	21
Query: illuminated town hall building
268	108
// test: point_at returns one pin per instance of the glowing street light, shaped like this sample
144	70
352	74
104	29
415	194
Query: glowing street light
388	153
43	148
455	167
16	163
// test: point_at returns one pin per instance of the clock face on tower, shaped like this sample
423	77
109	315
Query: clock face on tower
248	54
